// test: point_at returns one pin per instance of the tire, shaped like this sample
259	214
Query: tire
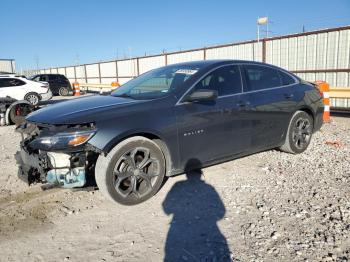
299	133
32	98
132	172
63	91
19	112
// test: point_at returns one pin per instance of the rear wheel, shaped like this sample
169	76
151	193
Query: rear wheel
63	91
32	98
299	133
132	172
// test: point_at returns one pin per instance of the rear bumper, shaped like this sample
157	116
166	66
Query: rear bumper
46	96
318	121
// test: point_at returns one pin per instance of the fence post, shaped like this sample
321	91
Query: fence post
85	74
116	70
75	73
264	50
99	71
137	66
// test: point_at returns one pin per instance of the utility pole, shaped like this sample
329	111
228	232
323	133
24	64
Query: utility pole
131	64
36	58
262	21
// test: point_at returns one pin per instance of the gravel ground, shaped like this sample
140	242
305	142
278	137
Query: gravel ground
270	206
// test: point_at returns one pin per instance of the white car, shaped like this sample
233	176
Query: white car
20	88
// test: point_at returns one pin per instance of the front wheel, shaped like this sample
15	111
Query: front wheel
299	133
132	172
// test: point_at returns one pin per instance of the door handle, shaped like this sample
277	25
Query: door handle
288	96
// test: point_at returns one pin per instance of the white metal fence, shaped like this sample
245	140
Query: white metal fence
317	55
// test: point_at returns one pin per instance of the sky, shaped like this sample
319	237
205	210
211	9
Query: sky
66	32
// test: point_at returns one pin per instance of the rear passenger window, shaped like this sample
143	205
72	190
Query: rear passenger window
286	79
261	77
17	82
225	80
8	82
53	77
3	82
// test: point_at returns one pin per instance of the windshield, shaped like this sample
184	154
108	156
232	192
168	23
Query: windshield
156	83
34	78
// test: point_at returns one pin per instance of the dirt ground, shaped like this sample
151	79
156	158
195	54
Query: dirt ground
269	206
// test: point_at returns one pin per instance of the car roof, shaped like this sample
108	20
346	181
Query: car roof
48	74
220	62
11	76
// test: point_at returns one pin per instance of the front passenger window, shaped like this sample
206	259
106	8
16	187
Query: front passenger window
44	78
225	80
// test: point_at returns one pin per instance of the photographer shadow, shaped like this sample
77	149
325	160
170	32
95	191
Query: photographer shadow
196	208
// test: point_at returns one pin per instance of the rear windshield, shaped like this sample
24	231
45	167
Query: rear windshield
157	83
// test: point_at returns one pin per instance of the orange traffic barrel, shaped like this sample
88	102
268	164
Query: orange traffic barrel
115	84
324	89
76	88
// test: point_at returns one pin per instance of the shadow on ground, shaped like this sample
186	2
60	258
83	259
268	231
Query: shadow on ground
196	208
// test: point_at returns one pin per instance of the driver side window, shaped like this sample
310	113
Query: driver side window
225	80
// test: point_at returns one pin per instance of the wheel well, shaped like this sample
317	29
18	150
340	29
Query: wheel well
309	112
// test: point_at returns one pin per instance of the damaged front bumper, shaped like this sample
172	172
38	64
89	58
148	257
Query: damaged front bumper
66	167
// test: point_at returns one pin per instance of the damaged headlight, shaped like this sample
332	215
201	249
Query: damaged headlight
64	140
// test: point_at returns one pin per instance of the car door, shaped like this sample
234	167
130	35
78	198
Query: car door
271	102
49	79
62	81
209	130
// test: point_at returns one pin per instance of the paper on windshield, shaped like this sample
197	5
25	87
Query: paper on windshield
186	71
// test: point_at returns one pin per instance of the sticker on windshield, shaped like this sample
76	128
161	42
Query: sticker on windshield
186	71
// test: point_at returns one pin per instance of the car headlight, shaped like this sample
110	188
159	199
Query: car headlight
64	140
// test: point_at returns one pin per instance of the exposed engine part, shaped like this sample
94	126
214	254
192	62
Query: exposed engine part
31	166
59	160
69	168
62	174
67	178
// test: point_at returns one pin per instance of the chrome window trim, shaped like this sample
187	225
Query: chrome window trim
296	80
179	102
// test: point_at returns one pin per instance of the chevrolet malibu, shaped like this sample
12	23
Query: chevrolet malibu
166	122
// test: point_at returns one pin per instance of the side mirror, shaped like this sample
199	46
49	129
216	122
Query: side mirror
202	95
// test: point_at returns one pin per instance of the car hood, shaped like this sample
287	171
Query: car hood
82	110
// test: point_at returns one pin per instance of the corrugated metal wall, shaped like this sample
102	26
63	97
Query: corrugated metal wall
319	55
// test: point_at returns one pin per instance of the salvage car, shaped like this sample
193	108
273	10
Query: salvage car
20	88
166	122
